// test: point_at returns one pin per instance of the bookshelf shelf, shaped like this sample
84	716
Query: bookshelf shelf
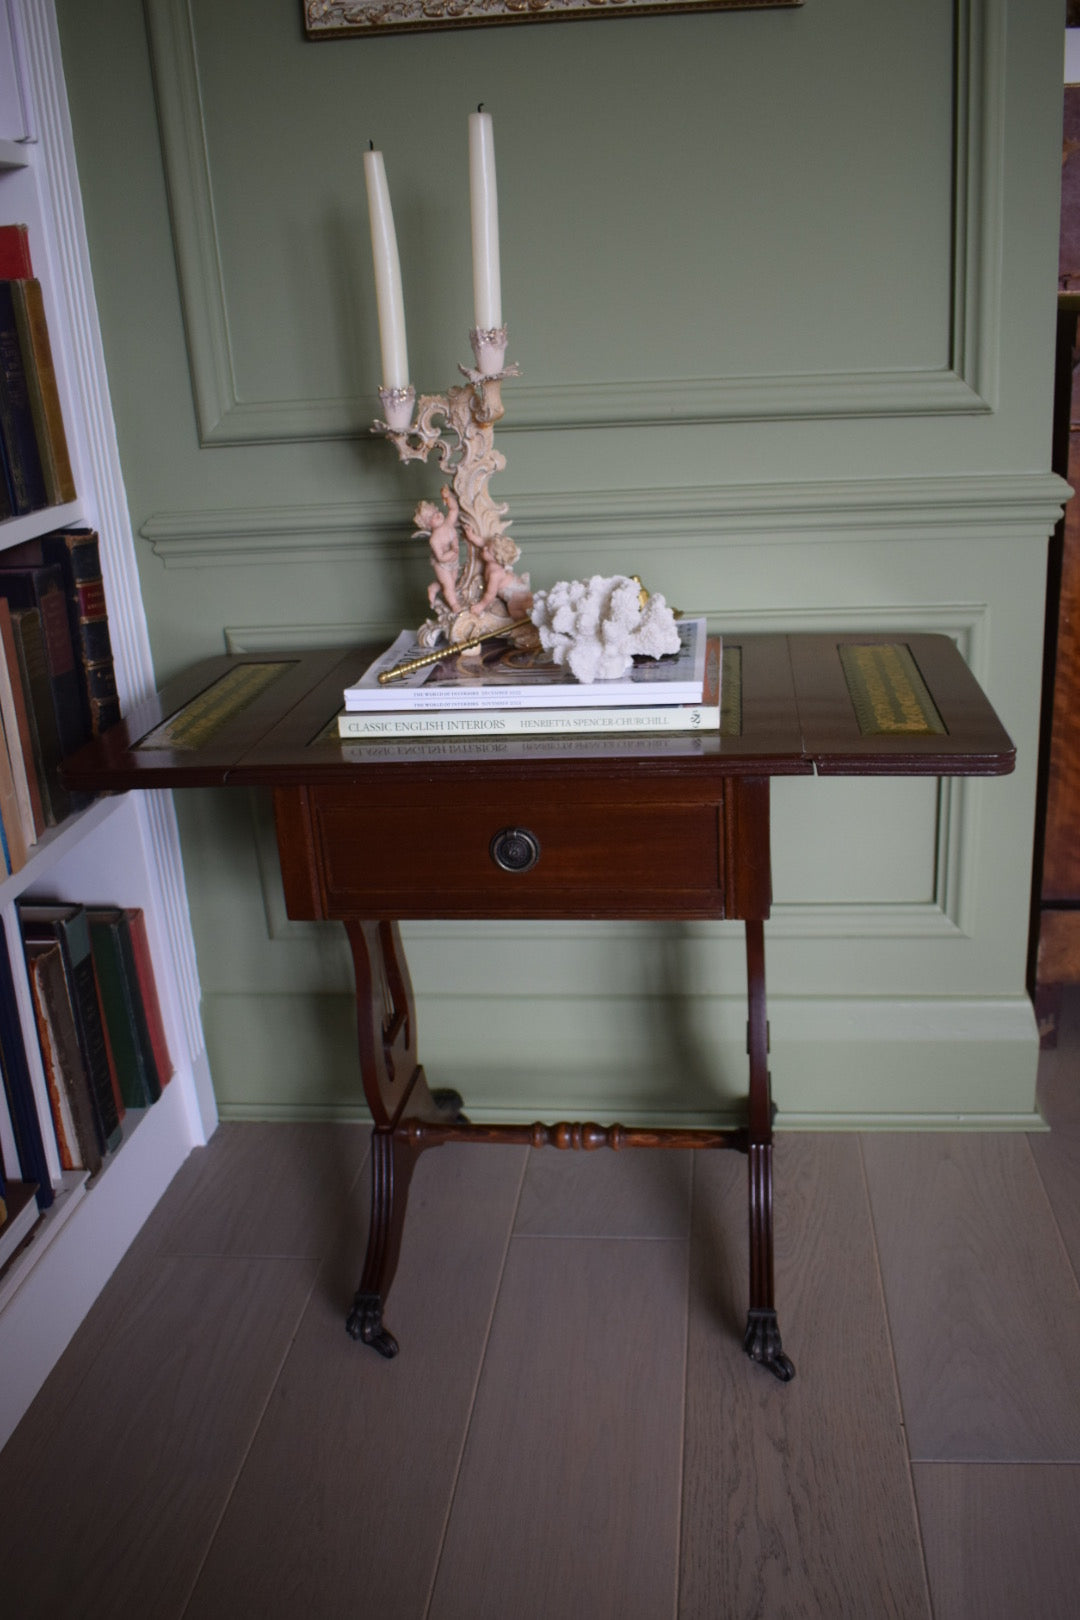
59	1279
73	1187
69	1195
13	155
120	851
14	530
53	845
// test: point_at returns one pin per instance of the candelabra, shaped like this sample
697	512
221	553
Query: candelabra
476	592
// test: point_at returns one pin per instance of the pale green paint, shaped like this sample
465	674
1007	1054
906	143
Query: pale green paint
655	1057
763	223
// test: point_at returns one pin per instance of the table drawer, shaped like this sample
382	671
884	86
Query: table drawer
514	853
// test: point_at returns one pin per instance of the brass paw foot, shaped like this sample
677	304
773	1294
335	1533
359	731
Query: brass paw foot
762	1343
364	1322
452	1103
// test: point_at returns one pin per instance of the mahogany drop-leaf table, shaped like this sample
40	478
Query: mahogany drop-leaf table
662	826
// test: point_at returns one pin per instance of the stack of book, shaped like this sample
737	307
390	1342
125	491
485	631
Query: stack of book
100	1035
503	692
34	454
57	679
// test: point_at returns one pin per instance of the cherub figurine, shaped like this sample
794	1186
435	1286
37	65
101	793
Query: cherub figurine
499	580
444	542
475	591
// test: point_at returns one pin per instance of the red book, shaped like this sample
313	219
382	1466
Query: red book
15	253
144	969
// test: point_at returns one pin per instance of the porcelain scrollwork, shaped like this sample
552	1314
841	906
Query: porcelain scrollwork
476	590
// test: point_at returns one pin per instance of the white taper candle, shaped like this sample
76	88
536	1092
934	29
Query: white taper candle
487	288
388	293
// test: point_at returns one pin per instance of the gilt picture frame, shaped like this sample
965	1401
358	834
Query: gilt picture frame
338	19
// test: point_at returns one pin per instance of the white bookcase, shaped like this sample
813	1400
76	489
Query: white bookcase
121	850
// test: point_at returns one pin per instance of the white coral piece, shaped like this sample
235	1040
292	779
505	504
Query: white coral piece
597	626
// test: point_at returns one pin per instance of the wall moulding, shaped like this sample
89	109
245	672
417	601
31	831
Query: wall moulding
965	380
964	621
1024	506
939	1063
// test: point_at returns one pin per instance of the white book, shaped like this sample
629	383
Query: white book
426	751
384	725
530	722
503	677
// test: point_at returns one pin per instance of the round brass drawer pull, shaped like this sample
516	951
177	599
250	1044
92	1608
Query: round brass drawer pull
515	850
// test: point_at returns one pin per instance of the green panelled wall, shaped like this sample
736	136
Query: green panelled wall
781	284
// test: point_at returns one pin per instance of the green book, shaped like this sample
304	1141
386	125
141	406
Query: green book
125	1018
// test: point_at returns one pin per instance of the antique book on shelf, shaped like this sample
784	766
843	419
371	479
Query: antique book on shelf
69	926
23	469
44	395
12	837
20	1216
14	711
384	725
18	1087
42	587
77	553
504	678
45	739
121	1000
78	1131
148	993
15	262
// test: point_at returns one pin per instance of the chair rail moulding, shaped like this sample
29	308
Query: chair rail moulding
1024	506
965	380
965	622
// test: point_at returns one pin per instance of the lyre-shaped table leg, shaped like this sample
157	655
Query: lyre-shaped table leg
762	1338
392	1162
395	1088
398	1097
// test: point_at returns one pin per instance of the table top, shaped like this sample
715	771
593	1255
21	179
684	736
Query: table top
791	705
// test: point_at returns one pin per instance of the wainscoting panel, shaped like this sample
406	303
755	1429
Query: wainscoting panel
780	282
935	254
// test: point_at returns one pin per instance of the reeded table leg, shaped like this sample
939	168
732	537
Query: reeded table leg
392	1162
396	1093
762	1338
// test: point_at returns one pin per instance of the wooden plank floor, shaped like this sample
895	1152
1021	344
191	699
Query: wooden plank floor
571	1427
776	1519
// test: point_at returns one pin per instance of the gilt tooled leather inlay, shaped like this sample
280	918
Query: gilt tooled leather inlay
195	724
887	692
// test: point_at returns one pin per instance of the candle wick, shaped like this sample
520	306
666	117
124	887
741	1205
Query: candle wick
479	106
371	146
